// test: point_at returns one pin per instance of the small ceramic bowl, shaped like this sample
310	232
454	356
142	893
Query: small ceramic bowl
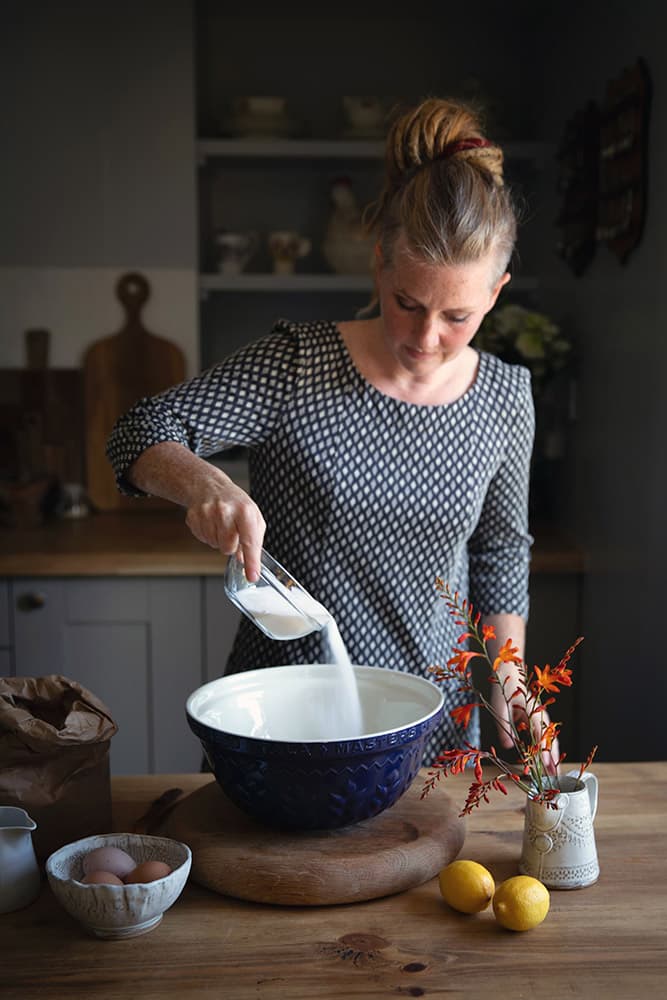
119	911
256	729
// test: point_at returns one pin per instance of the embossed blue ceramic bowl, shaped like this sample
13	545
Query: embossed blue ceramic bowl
259	731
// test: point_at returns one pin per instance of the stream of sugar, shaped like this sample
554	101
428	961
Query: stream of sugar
343	717
333	712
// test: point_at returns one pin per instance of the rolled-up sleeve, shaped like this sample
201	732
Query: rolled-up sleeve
237	402
500	547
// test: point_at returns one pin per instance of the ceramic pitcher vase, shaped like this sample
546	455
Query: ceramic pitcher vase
558	839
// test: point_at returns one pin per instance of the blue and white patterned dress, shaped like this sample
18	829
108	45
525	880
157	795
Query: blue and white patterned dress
367	499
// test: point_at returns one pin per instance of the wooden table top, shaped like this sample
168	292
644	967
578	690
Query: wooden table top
609	940
158	543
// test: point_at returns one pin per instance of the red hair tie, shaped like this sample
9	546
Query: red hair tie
457	147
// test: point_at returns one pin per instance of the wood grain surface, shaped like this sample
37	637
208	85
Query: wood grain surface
609	940
403	847
117	371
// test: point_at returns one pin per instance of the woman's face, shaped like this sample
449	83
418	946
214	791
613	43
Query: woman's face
431	312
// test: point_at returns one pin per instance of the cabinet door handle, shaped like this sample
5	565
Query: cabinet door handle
30	602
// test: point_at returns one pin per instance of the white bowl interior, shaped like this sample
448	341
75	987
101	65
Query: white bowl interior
305	702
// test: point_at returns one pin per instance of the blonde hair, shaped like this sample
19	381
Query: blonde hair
444	188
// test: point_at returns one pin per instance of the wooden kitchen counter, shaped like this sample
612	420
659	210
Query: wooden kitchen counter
609	940
158	543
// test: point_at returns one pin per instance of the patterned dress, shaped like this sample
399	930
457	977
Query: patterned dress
367	499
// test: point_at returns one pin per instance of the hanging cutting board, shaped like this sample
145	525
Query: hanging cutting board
403	847
117	371
41	417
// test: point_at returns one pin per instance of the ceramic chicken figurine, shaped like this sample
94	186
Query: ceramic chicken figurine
346	247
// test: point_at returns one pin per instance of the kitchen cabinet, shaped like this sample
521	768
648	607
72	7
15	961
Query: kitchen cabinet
267	163
137	643
261	186
221	619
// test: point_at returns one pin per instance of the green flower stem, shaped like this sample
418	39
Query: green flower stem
540	780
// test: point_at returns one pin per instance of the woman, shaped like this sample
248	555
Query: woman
384	452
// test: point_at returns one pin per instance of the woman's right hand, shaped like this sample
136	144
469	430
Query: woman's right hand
229	520
219	513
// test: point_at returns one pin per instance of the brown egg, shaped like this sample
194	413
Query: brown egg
101	878
108	859
147	871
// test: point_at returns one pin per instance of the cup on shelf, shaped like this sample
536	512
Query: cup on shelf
286	247
259	118
235	250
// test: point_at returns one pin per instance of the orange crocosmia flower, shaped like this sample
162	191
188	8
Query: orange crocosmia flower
550	734
488	632
562	676
507	654
549	678
461	715
461	659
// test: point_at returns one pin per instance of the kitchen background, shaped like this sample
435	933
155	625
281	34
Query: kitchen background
105	171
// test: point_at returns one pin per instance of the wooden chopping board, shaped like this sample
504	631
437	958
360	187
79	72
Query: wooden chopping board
403	847
117	371
41	418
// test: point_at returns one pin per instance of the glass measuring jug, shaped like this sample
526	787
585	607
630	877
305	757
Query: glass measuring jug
276	603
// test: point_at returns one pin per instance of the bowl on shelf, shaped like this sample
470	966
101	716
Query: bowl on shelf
118	911
365	117
259	731
260	118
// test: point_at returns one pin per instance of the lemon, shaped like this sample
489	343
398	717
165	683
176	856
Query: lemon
520	903
467	886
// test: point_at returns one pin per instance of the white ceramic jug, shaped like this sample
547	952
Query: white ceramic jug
235	250
20	880
558	839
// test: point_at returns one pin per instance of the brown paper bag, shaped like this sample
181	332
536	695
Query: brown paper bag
54	758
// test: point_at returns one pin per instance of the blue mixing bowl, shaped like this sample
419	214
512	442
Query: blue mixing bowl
259	731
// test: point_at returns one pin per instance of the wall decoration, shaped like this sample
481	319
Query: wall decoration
623	160
578	158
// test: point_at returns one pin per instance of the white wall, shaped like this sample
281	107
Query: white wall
97	175
615	497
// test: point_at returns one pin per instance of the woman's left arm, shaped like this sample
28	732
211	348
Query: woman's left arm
499	560
513	627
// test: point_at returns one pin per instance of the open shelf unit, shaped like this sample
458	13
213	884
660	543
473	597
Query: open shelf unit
347	149
262	184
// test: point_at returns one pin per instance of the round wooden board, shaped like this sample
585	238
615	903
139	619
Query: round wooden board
403	847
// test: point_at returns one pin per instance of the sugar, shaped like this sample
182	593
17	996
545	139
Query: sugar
278	616
329	718
343	715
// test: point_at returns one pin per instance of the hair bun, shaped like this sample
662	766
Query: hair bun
443	189
439	129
